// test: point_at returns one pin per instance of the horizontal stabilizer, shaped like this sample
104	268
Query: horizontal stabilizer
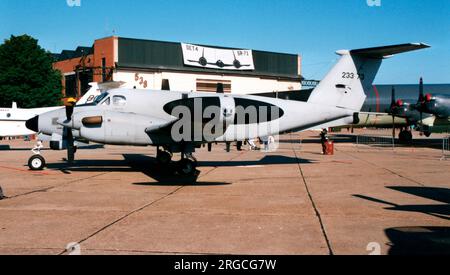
386	51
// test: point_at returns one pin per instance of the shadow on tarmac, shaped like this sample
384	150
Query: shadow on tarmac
163	175
422	240
419	241
267	160
441	195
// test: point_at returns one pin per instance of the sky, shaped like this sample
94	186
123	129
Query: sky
315	29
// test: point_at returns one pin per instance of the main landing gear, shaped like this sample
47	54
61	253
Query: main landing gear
405	136
187	166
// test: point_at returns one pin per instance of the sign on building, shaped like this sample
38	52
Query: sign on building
215	58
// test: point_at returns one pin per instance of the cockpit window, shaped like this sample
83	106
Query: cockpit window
107	102
99	98
119	100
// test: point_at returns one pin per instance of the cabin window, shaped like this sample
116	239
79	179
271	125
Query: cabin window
107	102
119	100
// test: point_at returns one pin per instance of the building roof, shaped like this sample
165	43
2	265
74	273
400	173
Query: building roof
68	54
160	55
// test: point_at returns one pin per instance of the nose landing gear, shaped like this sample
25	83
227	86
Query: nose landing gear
37	161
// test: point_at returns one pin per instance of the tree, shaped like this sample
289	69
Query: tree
27	75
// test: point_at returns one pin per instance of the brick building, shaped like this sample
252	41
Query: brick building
156	65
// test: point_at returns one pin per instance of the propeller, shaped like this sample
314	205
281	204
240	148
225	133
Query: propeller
393	109
70	105
421	103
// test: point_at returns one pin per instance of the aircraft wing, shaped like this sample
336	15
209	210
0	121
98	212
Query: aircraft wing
387	51
159	125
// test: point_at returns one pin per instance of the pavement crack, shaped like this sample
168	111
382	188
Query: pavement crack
43	190
126	216
316	210
143	207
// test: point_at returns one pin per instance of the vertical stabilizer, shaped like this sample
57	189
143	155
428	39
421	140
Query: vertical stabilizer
354	73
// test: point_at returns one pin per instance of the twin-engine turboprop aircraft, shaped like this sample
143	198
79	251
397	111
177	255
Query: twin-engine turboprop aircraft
180	122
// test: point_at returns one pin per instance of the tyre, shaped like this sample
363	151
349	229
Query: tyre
186	167
36	163
164	157
405	137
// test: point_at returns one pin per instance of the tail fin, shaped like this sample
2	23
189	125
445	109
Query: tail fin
355	72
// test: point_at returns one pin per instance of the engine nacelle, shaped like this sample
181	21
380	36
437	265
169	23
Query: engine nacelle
116	128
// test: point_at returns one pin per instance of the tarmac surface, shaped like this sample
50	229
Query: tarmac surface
294	201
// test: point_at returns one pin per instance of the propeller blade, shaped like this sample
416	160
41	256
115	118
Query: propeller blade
393	104
421	91
393	97
70	106
421	102
70	145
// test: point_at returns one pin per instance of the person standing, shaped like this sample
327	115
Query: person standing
324	140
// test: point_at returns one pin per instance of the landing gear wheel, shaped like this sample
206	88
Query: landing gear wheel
187	167
164	157
427	134
405	137
36	163
409	136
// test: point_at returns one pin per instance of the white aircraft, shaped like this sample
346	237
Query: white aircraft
180	122
12	120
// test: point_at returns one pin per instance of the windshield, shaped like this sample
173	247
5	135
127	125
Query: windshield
99	98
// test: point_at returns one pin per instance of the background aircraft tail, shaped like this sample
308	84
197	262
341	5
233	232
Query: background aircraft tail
354	73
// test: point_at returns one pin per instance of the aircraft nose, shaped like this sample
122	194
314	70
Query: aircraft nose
33	124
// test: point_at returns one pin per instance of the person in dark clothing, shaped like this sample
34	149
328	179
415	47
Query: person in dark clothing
324	140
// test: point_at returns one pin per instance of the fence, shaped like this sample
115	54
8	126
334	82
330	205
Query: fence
445	148
380	141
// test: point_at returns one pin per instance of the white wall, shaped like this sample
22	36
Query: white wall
187	82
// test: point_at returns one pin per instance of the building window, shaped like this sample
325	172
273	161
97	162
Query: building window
119	100
165	85
71	85
103	69
210	85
